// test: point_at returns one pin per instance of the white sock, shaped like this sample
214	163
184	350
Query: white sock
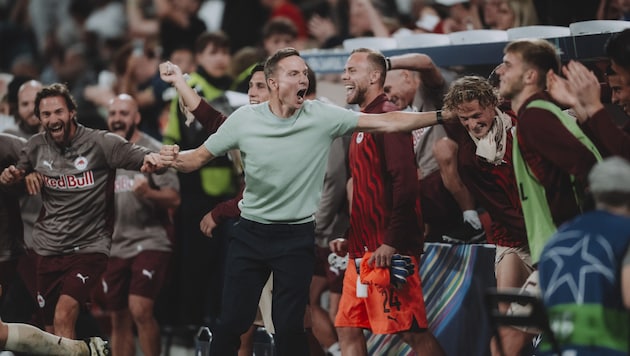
29	339
334	349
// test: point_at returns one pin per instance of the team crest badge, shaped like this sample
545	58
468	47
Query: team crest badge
359	137
80	163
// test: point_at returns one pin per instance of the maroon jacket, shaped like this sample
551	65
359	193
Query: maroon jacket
211	119
494	187
553	154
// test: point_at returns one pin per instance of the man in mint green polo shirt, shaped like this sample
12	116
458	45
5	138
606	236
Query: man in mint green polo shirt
284	144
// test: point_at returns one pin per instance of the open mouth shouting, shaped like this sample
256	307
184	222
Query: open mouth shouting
56	131
300	95
118	126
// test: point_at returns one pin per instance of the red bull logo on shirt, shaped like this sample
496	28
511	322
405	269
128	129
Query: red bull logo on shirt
86	179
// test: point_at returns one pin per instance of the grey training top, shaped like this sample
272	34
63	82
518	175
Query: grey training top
10	221
139	222
78	189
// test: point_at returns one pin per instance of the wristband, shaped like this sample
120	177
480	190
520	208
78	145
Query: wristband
438	117
388	64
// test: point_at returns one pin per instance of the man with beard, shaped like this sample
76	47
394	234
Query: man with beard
72	237
28	126
15	336
385	220
284	143
21	306
141	248
28	123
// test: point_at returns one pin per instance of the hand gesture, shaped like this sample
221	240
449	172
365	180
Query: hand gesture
171	73
207	224
339	246
152	163
560	90
168	155
382	257
11	175
34	182
322	28
585	85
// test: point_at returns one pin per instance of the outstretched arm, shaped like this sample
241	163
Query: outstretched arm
186	161
397	121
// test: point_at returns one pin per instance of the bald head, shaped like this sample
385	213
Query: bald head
123	117
401	86
26	105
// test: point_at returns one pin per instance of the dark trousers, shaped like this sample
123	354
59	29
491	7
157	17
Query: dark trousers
253	253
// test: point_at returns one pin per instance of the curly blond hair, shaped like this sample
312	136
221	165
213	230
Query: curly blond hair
469	88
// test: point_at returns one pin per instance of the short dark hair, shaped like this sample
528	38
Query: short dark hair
618	48
53	90
259	67
279	26
271	64
218	39
312	82
376	60
538	53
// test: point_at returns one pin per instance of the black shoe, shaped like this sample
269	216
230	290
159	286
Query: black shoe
465	234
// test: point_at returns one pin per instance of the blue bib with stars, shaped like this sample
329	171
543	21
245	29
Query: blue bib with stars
580	280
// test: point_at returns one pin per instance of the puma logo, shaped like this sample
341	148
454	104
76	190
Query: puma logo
82	278
47	164
147	273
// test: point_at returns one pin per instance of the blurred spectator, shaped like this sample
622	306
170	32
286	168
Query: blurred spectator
515	13
327	22
180	26
107	20
366	19
565	12
608	10
428	19
17	38
490	12
278	33
284	8
463	15
243	27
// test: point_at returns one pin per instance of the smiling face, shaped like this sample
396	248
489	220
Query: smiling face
357	78
400	87
26	104
258	91
475	118
57	120
123	117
